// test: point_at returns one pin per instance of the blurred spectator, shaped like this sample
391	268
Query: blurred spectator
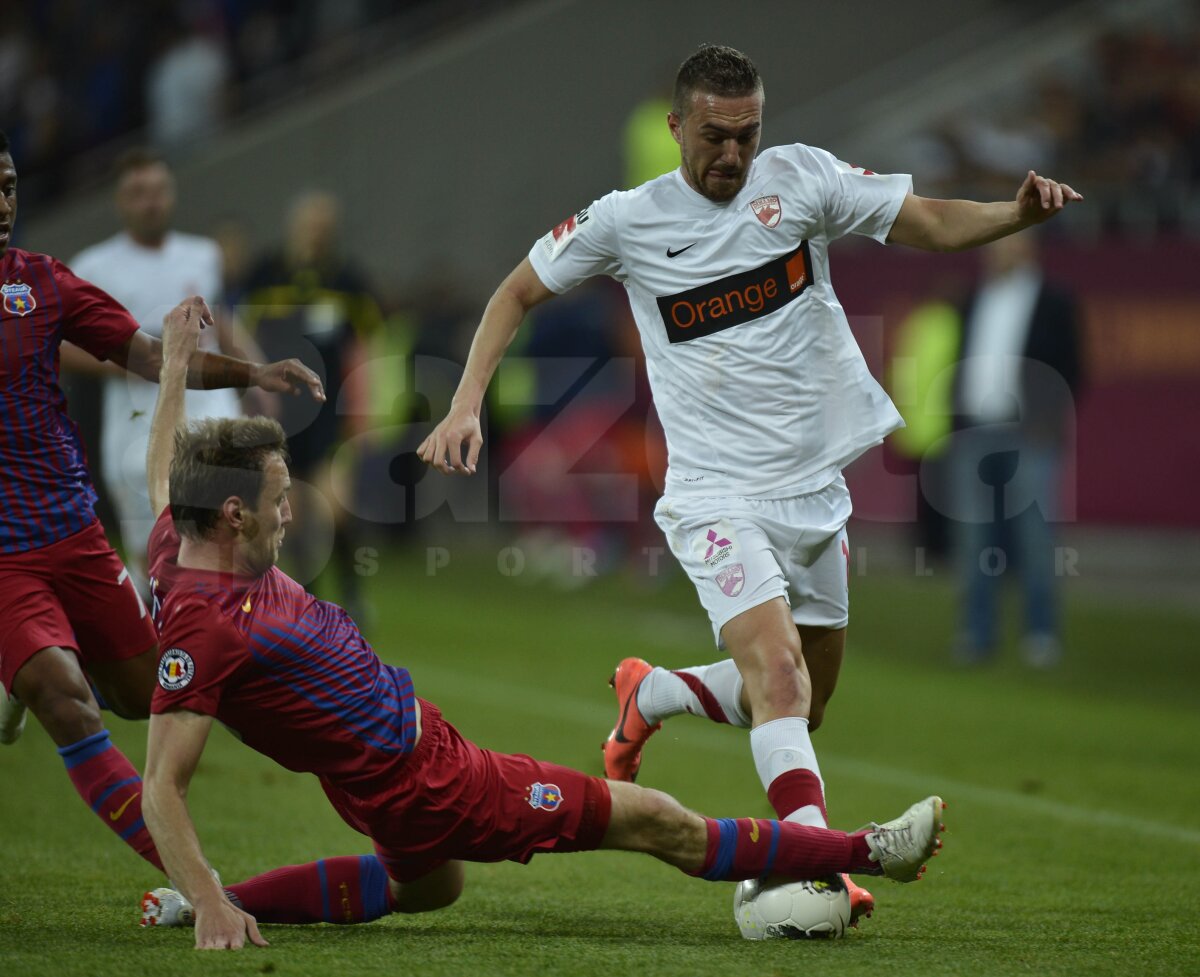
77	77
186	86
1123	125
237	258
920	380
309	302
585	439
649	149
1018	375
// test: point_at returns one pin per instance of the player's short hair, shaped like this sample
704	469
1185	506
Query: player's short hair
214	459
3	143
714	69
137	158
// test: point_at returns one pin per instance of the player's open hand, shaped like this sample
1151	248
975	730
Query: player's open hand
443	449
181	328
1039	198
225	927
288	376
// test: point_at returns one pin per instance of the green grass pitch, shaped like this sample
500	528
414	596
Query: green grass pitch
1073	845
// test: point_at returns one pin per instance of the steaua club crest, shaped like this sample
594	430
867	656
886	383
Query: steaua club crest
544	797
767	210
18	298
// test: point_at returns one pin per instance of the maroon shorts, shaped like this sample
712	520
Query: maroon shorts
455	800
75	593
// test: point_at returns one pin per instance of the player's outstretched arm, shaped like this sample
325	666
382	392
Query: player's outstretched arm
176	741
142	355
181	335
954	225
460	428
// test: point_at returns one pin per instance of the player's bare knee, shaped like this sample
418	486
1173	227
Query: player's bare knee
439	889
786	689
662	821
67	716
409	902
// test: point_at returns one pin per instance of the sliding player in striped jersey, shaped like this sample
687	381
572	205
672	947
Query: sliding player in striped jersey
295	679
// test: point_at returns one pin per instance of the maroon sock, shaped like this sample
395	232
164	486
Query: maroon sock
111	787
347	889
708	702
750	848
794	789
860	855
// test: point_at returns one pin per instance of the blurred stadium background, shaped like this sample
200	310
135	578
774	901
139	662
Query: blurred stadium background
454	132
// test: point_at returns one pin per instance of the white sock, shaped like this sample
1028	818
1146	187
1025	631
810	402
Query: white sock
787	766
663	693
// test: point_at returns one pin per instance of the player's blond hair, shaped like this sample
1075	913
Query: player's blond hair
215	459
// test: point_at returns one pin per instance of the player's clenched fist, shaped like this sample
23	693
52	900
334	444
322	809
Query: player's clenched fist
182	325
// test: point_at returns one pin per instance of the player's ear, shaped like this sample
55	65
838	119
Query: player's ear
234	512
676	125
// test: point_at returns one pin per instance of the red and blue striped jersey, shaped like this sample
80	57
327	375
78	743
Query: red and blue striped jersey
45	491
291	675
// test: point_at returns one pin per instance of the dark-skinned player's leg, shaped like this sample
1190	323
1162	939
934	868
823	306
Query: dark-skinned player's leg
54	688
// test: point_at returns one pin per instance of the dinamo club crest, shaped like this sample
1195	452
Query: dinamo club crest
767	210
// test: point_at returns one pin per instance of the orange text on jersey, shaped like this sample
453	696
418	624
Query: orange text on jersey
753	298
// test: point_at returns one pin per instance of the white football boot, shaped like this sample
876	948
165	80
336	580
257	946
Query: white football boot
12	717
166	907
902	846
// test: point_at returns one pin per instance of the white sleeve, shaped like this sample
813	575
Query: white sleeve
580	247
858	201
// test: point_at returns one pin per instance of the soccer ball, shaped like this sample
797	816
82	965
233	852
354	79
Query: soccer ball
792	910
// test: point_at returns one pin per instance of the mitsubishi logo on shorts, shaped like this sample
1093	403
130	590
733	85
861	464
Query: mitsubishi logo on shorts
713	543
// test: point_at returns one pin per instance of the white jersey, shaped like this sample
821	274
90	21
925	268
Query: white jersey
759	383
149	282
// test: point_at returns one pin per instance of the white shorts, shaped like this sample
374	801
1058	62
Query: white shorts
742	552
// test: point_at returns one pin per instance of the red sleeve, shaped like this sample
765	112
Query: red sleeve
94	320
201	651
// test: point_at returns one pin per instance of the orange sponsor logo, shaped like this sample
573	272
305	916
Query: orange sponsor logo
738	298
753	298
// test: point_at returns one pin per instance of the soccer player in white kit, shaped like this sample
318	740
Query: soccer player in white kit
763	395
149	269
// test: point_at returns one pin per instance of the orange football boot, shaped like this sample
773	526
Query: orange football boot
623	748
862	903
